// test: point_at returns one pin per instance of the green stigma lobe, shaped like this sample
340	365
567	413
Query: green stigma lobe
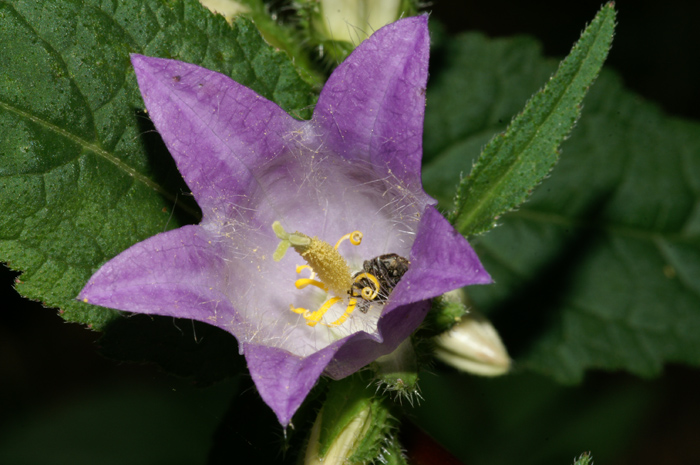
281	250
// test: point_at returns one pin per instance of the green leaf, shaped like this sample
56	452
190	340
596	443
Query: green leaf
600	269
83	175
513	163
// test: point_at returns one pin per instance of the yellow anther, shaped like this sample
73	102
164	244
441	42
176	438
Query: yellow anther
299	310
329	272
312	319
367	292
351	307
303	267
303	282
355	238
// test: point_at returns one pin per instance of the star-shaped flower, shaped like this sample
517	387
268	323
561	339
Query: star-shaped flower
353	168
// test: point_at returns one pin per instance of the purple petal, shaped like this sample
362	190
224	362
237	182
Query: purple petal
284	379
441	260
177	273
362	348
219	132
372	106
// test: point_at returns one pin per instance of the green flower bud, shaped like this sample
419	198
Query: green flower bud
338	26
473	345
354	20
229	9
342	448
352	427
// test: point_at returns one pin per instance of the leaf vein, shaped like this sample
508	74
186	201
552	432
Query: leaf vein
96	149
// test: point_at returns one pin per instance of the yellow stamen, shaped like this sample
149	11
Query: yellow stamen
313	318
329	272
312	274
303	282
355	239
299	310
303	267
367	292
351	307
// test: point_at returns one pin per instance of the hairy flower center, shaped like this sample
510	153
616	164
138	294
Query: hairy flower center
329	272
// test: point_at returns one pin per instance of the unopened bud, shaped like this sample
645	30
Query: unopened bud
229	9
345	443
338	26
351	427
473	345
354	20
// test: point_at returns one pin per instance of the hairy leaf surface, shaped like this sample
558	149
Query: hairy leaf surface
83	174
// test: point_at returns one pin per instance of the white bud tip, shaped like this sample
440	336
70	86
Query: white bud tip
473	345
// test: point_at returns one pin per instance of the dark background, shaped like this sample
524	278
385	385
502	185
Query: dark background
656	47
59	395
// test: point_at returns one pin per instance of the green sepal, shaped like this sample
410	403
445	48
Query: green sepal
513	163
584	459
444	313
392	452
397	373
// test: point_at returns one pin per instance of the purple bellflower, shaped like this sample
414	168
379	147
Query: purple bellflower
352	172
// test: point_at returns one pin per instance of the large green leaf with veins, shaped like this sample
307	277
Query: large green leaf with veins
83	175
601	268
